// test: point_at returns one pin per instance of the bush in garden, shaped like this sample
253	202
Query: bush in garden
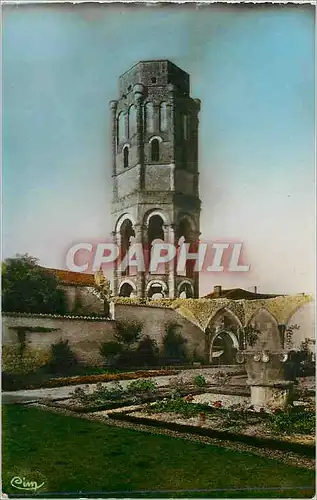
13	362
128	333
200	381
174	344
100	395
147	352
221	378
139	387
177	385
62	357
294	420
301	362
111	351
178	406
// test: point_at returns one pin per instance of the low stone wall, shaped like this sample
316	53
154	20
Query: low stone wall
155	319
85	335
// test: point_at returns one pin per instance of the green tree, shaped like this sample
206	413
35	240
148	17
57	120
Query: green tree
29	288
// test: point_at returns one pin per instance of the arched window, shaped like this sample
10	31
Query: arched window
125	156
121	127
132	121
149	117
163	117
155	150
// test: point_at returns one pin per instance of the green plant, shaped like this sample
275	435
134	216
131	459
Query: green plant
100	395
174	344
128	333
177	385
62	357
200	381
13	362
221	377
295	419
147	352
139	387
29	288
110	351
179	406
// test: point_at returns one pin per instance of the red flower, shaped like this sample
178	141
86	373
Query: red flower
218	404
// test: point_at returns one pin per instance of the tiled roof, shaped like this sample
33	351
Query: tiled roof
72	278
239	293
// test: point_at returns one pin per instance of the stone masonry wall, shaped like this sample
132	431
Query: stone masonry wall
155	319
85	336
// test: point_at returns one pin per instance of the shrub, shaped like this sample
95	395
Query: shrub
128	333
295	419
221	378
62	357
147	352
139	387
174	344
178	406
301	362
100	395
13	362
177	385
111	351
200	381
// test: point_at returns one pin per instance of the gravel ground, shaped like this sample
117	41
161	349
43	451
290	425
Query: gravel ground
286	457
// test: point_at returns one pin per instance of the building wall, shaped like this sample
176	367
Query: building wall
85	336
155	319
81	300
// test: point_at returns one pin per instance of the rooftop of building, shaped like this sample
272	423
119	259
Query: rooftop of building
238	294
73	278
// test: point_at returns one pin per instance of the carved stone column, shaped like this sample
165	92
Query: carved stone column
139	231
138	90
113	108
116	272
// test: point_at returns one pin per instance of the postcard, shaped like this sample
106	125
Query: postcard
158	256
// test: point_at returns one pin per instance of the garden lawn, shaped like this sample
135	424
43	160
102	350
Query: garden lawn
76	455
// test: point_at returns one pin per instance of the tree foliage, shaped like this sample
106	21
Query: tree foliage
29	288
128	333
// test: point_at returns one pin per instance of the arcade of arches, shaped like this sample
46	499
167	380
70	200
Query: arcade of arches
153	230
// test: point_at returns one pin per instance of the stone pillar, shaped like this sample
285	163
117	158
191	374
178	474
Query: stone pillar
267	380
140	280
117	275
113	108
138	90
171	119
281	329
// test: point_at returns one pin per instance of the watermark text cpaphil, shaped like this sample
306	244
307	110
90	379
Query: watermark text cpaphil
201	256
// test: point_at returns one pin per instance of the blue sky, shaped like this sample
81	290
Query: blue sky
253	69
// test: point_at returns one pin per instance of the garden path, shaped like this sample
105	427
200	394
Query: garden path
55	393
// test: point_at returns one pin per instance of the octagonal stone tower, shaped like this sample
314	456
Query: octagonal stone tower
155	174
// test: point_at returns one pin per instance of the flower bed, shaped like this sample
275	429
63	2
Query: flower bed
247	426
104	377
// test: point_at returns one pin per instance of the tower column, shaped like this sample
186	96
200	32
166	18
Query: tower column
171	265
116	272
138	100
113	108
139	231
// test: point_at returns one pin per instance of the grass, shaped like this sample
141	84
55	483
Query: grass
75	455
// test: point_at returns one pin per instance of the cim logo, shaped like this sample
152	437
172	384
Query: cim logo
22	483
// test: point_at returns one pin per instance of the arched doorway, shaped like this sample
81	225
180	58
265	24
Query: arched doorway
126	290
223	348
126	232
